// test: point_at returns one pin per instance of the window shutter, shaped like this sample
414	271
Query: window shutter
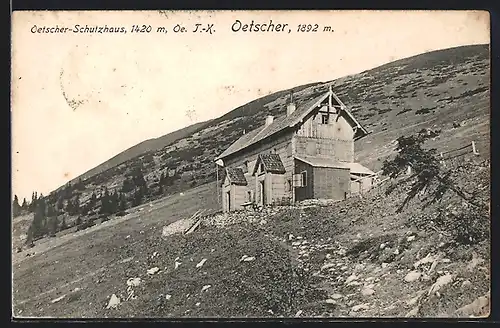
297	180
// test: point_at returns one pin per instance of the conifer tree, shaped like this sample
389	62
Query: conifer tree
38	225
63	225
16	208
122	205
24	206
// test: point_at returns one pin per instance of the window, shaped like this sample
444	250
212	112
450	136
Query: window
244	167
249	196
288	185
324	119
304	178
261	167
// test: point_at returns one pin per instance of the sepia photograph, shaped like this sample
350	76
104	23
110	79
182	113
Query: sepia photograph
250	164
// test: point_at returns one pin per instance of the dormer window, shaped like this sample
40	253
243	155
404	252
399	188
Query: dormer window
325	119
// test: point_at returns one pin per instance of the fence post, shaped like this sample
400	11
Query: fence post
474	150
408	170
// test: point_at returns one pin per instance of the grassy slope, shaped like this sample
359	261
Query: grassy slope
459	87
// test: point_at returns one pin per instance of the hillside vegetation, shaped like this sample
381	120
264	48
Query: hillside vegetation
360	257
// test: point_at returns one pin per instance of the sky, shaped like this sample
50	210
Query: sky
79	99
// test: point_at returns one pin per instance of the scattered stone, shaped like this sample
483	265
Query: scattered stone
113	302
479	308
413	312
382	246
58	299
128	259
133	282
476	260
344	267
440	282
331	301
410	238
428	259
360	307
153	270
154	255
351	278
198	304
246	258
200	264
412	276
359	267
367	292
466	283
327	266
336	296
176	264
299	312
205	288
168	296
384	265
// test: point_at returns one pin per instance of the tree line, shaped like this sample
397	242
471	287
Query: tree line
51	212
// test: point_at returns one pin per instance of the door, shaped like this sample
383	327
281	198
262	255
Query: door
262	192
228	200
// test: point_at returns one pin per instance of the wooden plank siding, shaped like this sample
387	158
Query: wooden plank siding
334	140
331	183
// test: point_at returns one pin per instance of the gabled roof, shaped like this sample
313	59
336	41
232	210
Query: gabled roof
281	123
236	176
272	163
355	168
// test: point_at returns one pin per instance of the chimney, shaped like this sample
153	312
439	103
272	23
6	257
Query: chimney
269	120
290	108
